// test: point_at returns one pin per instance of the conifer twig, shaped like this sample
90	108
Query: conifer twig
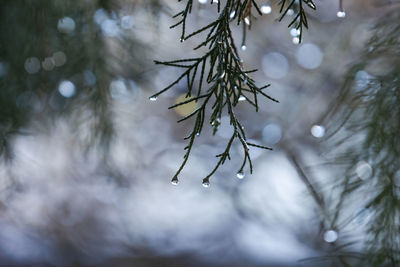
221	69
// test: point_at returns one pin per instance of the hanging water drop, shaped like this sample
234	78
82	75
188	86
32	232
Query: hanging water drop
245	81
244	47
206	183
153	98
222	75
295	32
341	14
175	181
242	98
197	134
266	9
182	40
318	131
247	20
240	175
330	236
232	15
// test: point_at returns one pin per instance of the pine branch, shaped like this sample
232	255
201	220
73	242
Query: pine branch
300	17
222	70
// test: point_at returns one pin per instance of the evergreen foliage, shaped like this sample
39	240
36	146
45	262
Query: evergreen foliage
222	70
368	114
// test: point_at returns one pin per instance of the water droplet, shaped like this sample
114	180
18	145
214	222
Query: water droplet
242	98
206	183
66	25
290	12
118	89
247	20
244	47
175	181
182	40
318	131
127	22
218	120
295	32
296	40
197	134
59	58
309	56
272	133
203	2
110	27
341	14
153	98
222	75
67	89
330	236
32	65
240	175
266	9
245	81
223	84
363	170
48	63
232	15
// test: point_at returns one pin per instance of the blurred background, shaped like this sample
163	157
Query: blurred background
87	159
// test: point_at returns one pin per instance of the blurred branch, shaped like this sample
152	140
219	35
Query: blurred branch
296	161
368	108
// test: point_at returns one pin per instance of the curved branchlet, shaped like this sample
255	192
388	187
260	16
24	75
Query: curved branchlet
221	69
299	15
368	113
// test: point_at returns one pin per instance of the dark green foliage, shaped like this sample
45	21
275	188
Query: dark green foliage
300	18
221	69
30	29
369	111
